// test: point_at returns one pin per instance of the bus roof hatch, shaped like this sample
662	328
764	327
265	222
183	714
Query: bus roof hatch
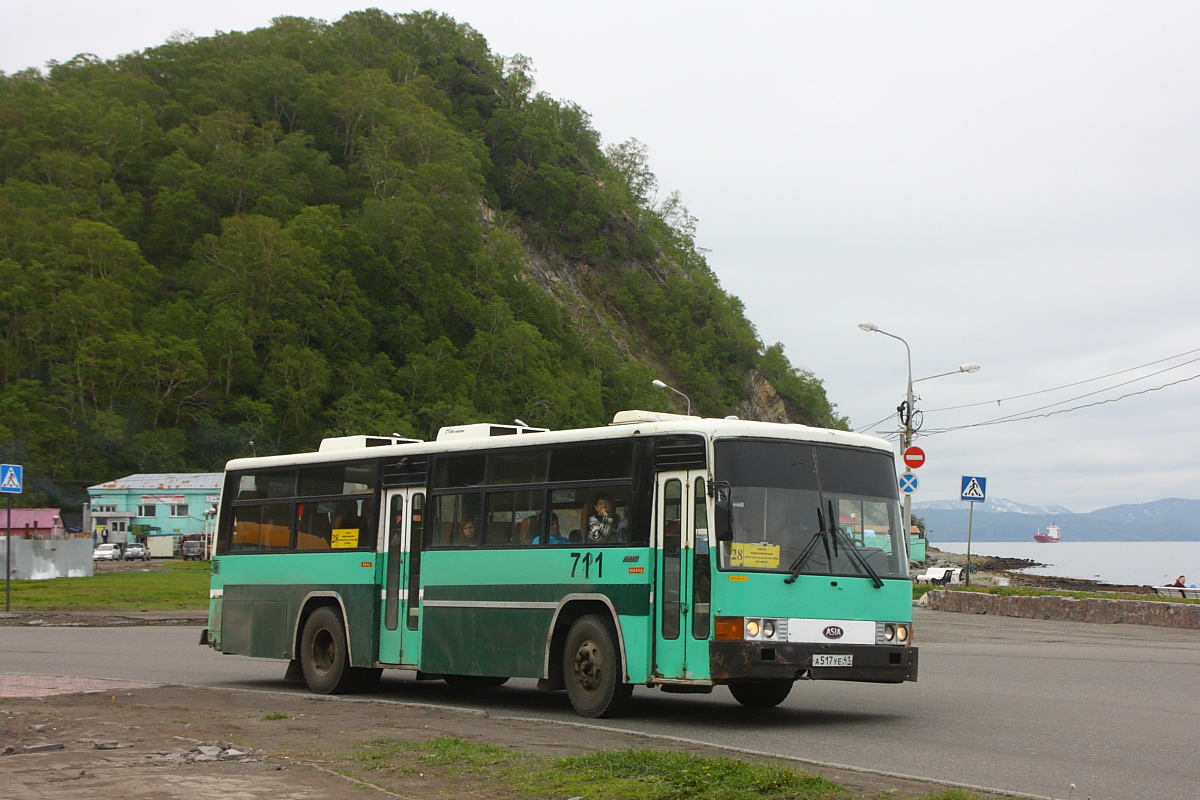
358	442
484	430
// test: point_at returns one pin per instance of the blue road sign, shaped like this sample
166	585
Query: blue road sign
974	488
908	483
11	476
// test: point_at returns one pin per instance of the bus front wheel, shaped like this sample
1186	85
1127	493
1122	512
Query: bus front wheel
592	669
324	655
765	694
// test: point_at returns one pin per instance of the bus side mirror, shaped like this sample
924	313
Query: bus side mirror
723	513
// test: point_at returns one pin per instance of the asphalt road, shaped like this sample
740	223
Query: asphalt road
1023	706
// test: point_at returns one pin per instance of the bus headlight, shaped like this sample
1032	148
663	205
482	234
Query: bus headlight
768	629
752	628
893	632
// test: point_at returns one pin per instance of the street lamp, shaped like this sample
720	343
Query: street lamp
662	385
907	410
970	366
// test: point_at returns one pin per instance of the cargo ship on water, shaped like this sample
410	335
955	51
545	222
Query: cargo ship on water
1051	535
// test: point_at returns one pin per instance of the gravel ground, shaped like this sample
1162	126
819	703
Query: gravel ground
123	742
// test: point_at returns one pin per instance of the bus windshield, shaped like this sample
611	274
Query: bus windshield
805	509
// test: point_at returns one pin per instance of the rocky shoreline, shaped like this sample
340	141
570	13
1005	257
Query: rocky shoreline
991	567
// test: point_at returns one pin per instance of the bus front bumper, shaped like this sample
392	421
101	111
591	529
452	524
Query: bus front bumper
736	661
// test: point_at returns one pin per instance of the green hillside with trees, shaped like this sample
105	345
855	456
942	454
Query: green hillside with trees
247	242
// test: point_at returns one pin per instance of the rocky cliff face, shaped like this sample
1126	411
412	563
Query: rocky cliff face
565	281
765	404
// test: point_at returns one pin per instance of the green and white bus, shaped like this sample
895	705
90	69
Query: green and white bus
662	550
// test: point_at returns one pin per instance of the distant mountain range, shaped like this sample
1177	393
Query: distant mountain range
1000	520
994	505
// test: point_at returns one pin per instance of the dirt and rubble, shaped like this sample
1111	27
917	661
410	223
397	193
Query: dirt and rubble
182	743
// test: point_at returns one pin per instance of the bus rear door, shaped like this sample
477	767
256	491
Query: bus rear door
400	577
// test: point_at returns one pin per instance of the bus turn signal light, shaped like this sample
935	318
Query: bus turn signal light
728	629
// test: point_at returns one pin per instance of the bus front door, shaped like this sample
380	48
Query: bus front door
400	577
677	654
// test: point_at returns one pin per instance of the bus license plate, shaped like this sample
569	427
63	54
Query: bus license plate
831	660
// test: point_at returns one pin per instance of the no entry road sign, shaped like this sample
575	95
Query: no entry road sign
914	457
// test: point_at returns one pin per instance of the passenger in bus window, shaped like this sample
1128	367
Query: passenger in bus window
555	535
468	535
604	523
347	515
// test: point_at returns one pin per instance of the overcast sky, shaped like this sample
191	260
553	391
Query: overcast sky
1015	184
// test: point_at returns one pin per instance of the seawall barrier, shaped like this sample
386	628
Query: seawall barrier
1069	609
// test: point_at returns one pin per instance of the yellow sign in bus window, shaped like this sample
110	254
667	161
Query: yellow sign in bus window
346	538
754	556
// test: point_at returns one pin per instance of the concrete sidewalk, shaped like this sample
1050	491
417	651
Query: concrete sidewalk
104	619
16	685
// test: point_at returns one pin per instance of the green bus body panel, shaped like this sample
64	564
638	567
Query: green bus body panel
472	619
811	597
263	595
486	632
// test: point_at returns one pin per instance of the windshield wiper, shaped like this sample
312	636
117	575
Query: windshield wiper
856	556
822	536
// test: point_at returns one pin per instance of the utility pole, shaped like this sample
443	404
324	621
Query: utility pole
907	412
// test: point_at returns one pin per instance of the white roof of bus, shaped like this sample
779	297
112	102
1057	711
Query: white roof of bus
650	424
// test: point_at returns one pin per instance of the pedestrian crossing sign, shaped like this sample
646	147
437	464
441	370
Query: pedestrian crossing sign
974	489
10	478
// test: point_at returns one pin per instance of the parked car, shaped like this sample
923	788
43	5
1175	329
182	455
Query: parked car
107	552
136	550
192	549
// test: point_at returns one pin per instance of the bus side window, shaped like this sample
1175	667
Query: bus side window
457	519
312	526
262	528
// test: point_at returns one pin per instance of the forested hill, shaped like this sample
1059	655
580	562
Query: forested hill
243	243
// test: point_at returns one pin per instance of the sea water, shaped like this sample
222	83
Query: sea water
1128	563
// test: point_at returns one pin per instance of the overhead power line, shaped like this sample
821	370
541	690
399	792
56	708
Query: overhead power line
1029	415
1000	400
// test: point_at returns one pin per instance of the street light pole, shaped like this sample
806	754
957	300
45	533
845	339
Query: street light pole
906	420
661	385
907	411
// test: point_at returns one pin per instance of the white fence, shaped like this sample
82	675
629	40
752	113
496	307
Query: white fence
41	559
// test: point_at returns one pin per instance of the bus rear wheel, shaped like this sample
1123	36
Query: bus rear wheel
764	694
592	669
324	656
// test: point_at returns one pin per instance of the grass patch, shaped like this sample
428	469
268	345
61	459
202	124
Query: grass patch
275	715
450	767
182	585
